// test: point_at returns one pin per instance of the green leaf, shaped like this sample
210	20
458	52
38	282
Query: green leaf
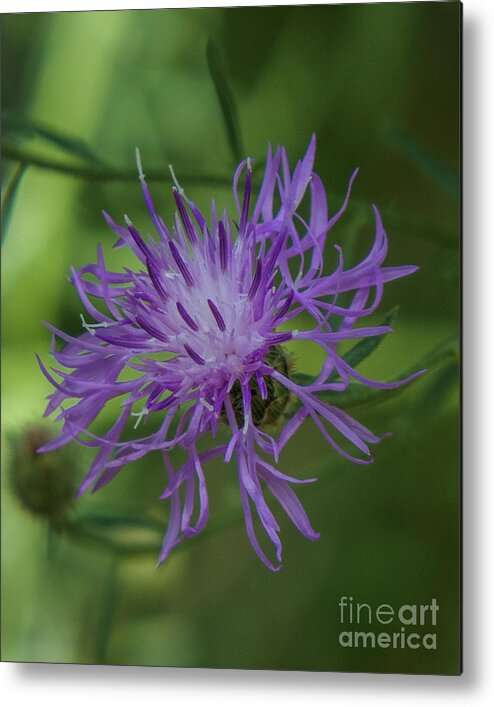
226	101
364	348
438	391
427	162
19	128
356	354
359	394
410	224
10	195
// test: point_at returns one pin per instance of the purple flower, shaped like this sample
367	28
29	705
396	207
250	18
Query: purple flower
194	337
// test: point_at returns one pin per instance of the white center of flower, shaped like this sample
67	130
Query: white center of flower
213	324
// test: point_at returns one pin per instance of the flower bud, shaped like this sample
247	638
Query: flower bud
43	483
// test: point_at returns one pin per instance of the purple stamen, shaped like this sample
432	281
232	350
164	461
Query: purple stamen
152	330
255	281
138	239
261	384
279	338
180	263
246	199
275	252
217	315
163	404
223	245
194	356
186	317
284	307
156	279
189	228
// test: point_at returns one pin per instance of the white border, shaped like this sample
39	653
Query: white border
82	685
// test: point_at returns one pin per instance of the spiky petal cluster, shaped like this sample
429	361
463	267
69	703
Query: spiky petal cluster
196	327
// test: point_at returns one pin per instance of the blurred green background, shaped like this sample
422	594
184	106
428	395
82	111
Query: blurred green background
379	84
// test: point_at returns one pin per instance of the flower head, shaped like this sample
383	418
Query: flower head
195	335
45	484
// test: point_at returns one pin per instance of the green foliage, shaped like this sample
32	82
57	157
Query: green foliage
226	101
17	129
128	535
359	394
120	534
96	173
358	353
9	195
366	347
427	161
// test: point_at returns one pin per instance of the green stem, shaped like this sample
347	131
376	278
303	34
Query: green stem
413	226
105	174
93	534
226	101
107	614
81	533
10	194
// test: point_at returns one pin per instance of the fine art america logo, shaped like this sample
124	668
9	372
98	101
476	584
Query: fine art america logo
413	625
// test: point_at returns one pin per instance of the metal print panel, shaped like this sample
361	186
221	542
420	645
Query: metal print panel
230	338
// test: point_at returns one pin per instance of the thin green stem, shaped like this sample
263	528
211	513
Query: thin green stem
104	174
122	545
107	614
225	100
10	194
409	223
